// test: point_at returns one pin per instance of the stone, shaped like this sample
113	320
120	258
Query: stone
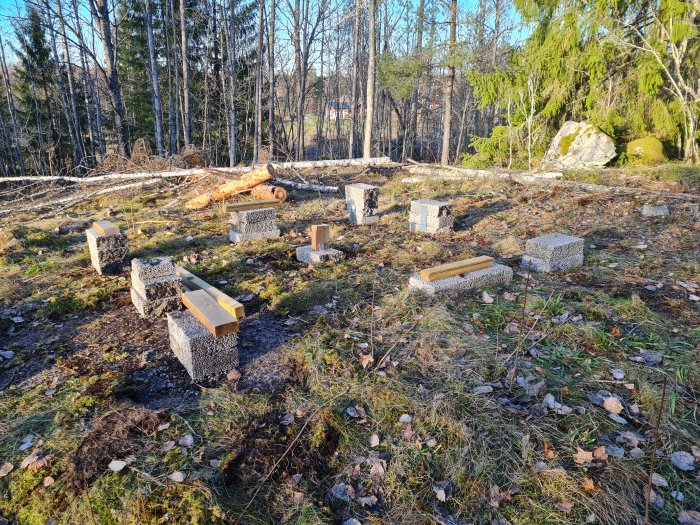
579	145
152	310
108	253
653	210
362	201
202	354
496	275
308	255
430	216
253	224
553	252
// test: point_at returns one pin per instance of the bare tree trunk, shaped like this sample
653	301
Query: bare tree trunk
13	110
100	13
257	138
449	86
186	104
271	63
413	132
233	123
71	84
155	85
355	67
371	66
173	131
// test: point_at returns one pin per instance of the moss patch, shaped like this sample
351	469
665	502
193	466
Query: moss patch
567	141
647	151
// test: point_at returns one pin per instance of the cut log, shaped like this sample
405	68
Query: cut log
251	205
247	181
320	237
267	191
444	271
215	319
105	228
193	282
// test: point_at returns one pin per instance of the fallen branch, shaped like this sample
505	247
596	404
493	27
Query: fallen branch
374	161
73	200
434	173
306	186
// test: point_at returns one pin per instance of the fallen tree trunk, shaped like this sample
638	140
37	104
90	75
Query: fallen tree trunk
430	173
247	181
338	163
306	186
267	191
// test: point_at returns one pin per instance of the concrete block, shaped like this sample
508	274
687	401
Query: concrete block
157	288
236	237
202	354
152	310
430	216
554	246
153	268
108	253
551	265
362	201
496	275
652	210
308	255
253	216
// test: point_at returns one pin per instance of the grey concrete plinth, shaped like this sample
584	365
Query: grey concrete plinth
308	255
362	201
157	288
430	216
250	225
496	275
236	236
553	252
108	253
153	268
152	310
202	354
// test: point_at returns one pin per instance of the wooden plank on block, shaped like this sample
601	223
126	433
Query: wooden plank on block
203	306
105	228
320	237
252	205
193	282
446	270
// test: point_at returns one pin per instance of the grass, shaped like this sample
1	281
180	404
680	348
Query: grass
376	348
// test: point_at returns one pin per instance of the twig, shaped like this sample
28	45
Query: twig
653	452
519	346
287	451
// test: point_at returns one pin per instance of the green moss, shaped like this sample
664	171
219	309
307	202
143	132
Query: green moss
647	151
567	140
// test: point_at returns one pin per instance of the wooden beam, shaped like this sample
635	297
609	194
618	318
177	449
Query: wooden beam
252	205
105	228
446	270
203	306
193	282
320	237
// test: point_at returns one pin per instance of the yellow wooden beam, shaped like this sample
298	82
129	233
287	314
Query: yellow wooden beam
451	269
203	306
193	282
251	205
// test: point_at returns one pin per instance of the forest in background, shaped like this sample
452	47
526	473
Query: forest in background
485	82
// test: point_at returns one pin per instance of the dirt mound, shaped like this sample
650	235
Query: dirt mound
195	157
117	434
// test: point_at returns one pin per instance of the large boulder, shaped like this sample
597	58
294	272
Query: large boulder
579	145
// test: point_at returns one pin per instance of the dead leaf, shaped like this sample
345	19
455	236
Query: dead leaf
374	440
168	445
366	360
48	481
548	450
612	405
588	484
6	469
565	506
689	517
443	490
600	453
582	456
616	332
178	476
486	297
